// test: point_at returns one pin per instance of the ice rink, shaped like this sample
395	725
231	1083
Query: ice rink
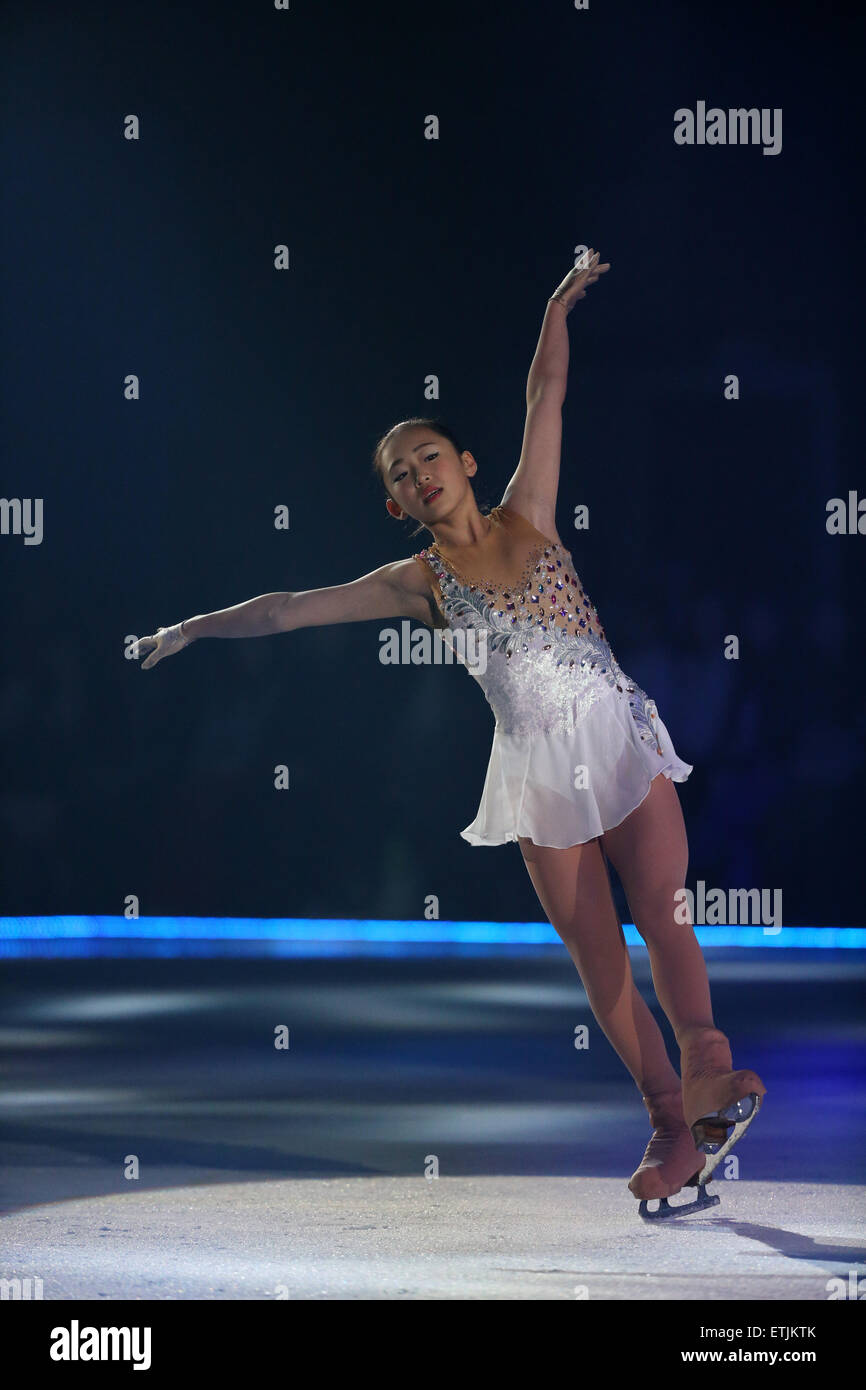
430	1132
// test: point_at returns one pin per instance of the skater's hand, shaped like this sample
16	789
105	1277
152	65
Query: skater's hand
586	272
164	642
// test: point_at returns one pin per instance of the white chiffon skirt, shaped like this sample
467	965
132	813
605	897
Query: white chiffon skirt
564	789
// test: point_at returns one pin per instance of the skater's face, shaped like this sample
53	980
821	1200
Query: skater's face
424	475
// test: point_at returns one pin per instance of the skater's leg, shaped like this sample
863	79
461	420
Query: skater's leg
649	851
650	854
573	888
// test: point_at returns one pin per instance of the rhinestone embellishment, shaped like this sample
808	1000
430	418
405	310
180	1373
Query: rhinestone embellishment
518	621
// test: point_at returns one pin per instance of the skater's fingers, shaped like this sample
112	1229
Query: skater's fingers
155	646
583	273
166	641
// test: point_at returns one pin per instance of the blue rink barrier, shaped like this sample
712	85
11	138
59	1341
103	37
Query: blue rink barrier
83	935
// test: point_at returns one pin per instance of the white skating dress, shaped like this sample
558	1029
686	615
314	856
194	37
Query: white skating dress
576	742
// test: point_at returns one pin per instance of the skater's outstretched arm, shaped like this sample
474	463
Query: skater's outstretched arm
394	590
533	487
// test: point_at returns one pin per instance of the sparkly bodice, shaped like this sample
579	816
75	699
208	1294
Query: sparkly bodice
543	587
530	634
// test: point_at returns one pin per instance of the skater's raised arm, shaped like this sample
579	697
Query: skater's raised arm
394	590
533	487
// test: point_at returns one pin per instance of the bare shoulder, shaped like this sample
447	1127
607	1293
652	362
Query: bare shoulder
414	581
412	574
539	512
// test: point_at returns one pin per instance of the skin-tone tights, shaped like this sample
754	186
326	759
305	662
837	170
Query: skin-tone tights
649	852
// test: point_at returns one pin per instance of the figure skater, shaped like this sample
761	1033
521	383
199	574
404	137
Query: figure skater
582	768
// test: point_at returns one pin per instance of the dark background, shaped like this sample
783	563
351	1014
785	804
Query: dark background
411	257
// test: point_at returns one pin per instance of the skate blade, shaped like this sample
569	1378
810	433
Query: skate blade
664	1211
711	1133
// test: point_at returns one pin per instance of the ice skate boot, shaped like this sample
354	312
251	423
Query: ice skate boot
672	1160
671	1156
719	1103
